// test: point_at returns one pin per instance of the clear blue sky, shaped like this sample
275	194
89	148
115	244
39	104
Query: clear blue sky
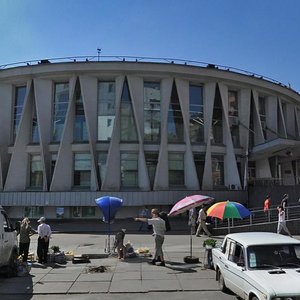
261	36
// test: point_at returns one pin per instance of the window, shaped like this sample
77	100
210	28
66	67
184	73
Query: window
152	112
80	130
60	212
233	117
53	162
129	170
102	159
151	162
82	170
36	172
128	127
217	122
262	113
196	114
199	160
175	119
20	93
35	136
34	211
176	169
88	211
218	170
61	101
106	109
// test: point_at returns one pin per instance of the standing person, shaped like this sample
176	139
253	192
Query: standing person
119	244
44	232
281	221
24	241
202	222
159	229
284	201
267	204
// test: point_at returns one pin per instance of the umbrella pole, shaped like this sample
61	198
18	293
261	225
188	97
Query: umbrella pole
228	221
191	241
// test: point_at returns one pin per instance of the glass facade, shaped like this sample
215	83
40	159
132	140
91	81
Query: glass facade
33	211
196	114
80	131
128	126
36	172
262	114
217	122
20	93
129	170
35	136
218	170
152	117
175	119
61	102
151	162
102	160
199	160
233	115
176	169
82	170
106	109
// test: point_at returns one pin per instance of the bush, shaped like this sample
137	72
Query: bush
210	242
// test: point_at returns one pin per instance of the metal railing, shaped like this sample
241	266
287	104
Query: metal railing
260	217
95	58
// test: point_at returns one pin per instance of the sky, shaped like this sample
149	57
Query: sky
259	36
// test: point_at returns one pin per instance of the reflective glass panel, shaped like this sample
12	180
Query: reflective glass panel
129	169
128	127
175	119
82	170
151	162
199	160
102	158
106	109
196	114
218	170
176	169
152	111
35	136
36	172
80	130
20	93
61	101
217	122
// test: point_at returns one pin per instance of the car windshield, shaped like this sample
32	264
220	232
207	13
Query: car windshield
273	256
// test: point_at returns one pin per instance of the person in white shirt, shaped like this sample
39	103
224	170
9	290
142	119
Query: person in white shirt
202	222
44	233
281	221
159	229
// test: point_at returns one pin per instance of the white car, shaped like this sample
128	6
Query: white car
259	265
8	245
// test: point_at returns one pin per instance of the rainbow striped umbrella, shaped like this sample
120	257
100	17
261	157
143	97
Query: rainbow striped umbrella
228	210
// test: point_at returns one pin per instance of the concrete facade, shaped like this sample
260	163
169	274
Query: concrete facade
267	135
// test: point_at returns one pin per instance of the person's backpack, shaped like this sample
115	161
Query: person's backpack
163	215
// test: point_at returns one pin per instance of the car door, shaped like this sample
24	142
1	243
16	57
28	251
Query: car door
235	267
8	240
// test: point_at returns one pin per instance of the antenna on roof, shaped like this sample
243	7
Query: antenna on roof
99	52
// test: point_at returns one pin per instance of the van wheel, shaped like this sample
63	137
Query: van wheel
221	283
12	268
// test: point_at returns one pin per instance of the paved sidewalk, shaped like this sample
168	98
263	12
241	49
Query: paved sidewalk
134	275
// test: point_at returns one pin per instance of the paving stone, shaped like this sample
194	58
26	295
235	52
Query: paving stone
199	285
161	285
52	287
106	276
89	287
60	277
127	286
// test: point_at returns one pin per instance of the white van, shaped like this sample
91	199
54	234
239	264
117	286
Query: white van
8	245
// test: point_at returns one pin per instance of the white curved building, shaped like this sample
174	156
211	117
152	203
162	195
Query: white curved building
147	132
